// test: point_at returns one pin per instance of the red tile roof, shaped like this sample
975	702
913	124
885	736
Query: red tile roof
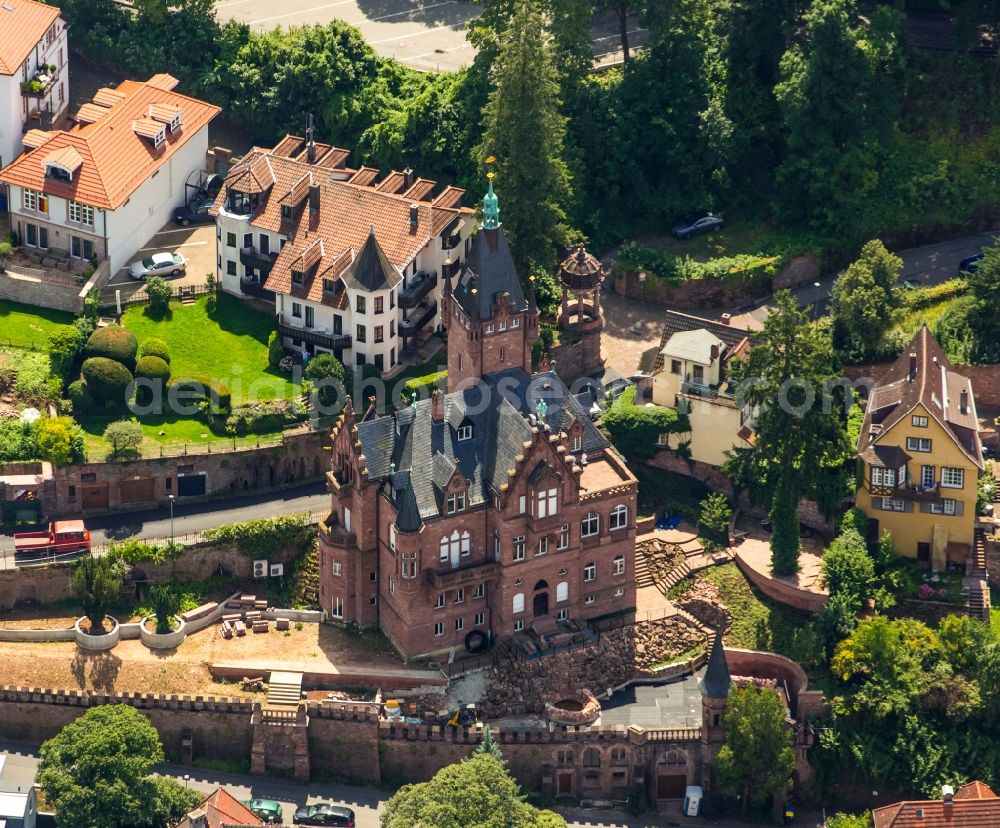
973	806
222	808
116	160
22	26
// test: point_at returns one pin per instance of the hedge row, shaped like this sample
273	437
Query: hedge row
931	295
204	388
426	383
261	538
634	429
665	265
265	417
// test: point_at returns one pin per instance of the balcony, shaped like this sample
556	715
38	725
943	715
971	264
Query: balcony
252	287
709	392
457	577
918	494
419	286
263	262
41	84
416	319
316	336
333	534
337	486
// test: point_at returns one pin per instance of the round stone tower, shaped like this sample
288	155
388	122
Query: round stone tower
580	315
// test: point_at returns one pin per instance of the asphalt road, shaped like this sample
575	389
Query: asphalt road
426	34
22	760
192	518
927	265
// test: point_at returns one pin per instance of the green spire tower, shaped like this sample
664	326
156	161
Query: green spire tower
491	207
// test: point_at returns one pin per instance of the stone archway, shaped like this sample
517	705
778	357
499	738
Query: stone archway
671	775
540	604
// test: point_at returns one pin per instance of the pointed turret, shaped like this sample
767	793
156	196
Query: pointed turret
717	678
408	517
491	207
371	268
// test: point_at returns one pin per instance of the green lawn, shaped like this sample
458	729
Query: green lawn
230	345
26	326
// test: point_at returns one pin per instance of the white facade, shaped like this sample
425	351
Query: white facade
15	108
117	234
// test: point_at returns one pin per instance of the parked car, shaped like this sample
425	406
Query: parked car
194	213
266	810
697	223
910	284
970	264
159	264
324	814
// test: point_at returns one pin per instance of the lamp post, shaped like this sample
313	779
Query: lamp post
171	518
642	285
816	306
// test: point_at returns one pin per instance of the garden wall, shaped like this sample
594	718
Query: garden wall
689	293
30	291
41	585
781	591
120	486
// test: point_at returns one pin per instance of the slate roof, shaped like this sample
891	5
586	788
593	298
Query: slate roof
973	806
114	160
717	679
371	269
677	322
411	441
23	25
935	386
408	516
489	269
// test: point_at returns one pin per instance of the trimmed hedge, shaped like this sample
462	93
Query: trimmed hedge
205	388
634	428
152	367
662	264
265	417
428	382
106	379
261	538
113	342
79	394
155	347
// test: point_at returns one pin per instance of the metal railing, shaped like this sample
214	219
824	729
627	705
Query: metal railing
419	287
335	342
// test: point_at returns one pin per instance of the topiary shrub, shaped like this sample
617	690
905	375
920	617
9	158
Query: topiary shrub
155	347
113	342
275	349
152	367
107	380
79	394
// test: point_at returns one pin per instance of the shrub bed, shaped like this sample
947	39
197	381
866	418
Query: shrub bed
155	347
634	429
665	265
217	394
264	417
261	538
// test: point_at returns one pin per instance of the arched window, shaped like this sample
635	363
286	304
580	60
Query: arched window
590	525
466	544
444	549
562	591
543	584
591	758
619	517
518	603
456	544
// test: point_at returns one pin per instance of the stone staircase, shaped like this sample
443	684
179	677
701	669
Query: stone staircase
284	689
643	577
674	576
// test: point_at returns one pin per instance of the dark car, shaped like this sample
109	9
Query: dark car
324	814
698	223
195	213
971	264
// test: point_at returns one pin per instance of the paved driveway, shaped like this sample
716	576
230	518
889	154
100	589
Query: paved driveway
426	34
196	243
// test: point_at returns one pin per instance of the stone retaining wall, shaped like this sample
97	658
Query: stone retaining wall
781	591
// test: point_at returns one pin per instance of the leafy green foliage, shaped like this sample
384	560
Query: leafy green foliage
842	820
275	350
261	538
756	759
113	342
714	522
422	386
107	380
62	348
33	371
327	374
216	393
864	302
165	605
524	130
17	440
634	429
152	367
96	582
79	394
96	773
159	292
59	440
123	435
848	568
475	793
268	417
134	551
743	268
982	335
154	347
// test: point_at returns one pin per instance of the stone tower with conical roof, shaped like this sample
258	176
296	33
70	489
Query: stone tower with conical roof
581	276
714	701
491	324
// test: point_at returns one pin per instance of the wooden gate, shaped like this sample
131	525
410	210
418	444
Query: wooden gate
137	491
94	495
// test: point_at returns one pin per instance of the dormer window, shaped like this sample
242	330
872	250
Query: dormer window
175	122
464	433
58	173
577	443
238	203
548	502
329	286
455	503
298	277
286	212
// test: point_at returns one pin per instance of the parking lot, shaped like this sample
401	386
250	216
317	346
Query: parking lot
195	243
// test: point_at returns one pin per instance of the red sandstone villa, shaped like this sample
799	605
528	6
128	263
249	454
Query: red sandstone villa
491	510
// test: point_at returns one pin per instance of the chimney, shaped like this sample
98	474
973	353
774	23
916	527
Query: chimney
407	179
963	401
310	142
913	366
314	198
198	819
948	796
726	319
437	406
414	217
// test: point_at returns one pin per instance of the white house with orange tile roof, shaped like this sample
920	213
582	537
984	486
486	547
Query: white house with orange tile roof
355	262
32	93
104	187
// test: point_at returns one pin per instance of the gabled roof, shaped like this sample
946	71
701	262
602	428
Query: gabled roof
410	438
700	346
489	270
677	322
115	160
23	23
221	808
933	385
974	806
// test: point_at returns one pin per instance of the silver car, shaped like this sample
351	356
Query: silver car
159	264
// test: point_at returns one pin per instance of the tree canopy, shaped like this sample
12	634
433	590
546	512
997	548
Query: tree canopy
864	302
96	773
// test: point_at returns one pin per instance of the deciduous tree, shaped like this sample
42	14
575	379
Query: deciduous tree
864	304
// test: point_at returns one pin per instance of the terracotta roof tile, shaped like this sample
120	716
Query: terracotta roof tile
147	127
364	176
34	138
163	112
116	161
108	97
961	813
66	157
222	808
676	322
168	83
23	23
975	790
91	113
392	183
